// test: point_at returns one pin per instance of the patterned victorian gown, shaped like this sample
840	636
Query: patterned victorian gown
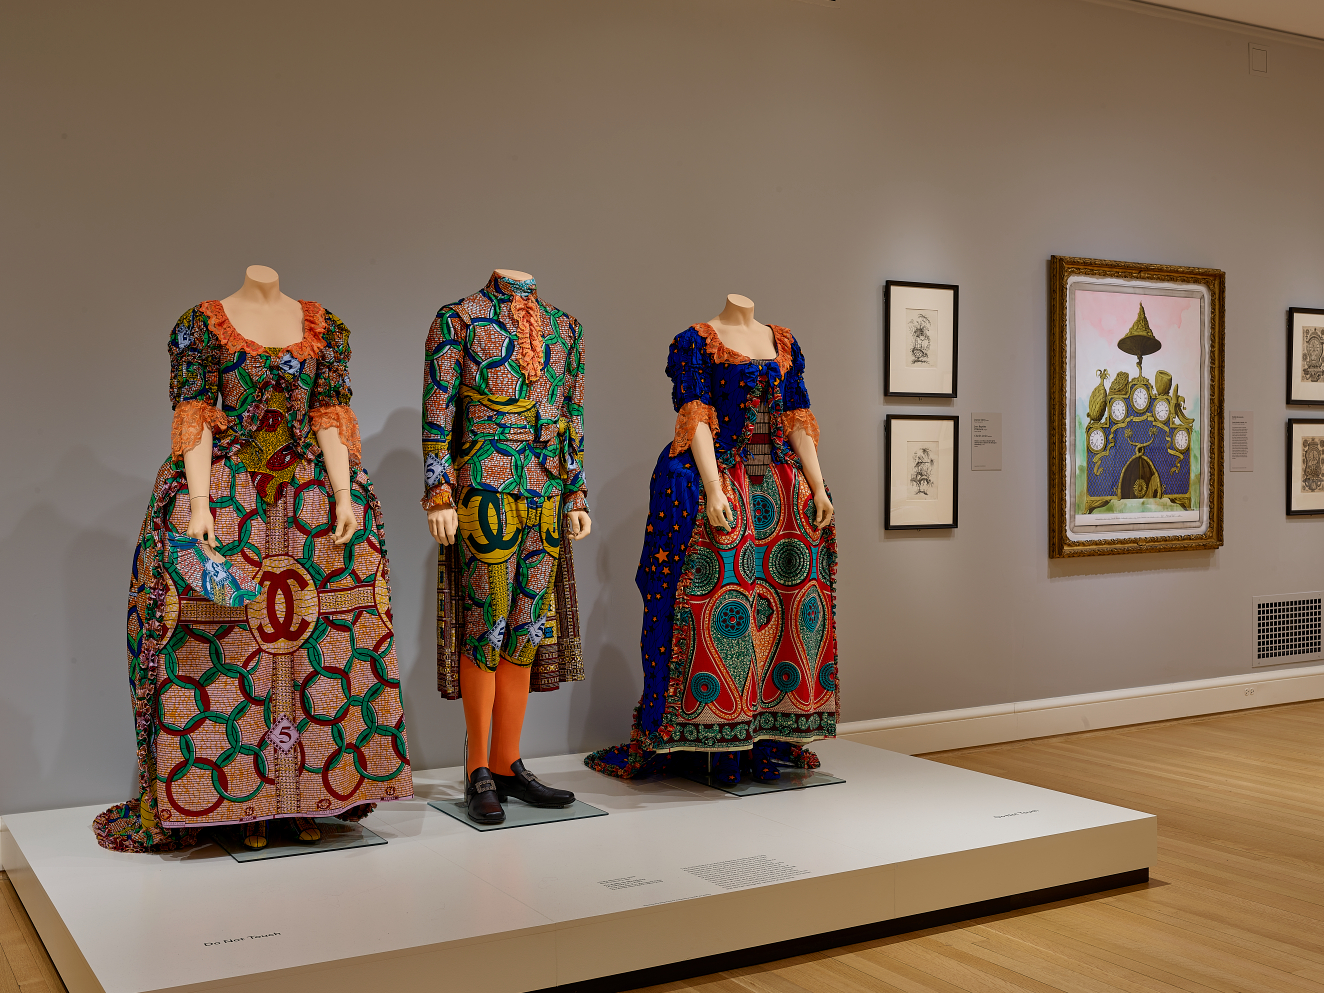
265	686
739	637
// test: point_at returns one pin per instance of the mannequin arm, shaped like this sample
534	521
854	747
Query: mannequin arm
720	514
197	471
336	456
803	445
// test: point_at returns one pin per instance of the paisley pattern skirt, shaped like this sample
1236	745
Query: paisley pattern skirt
739	636
282	704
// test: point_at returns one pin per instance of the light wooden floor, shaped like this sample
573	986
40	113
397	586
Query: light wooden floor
24	964
1235	904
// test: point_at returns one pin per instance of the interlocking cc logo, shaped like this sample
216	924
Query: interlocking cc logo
283	617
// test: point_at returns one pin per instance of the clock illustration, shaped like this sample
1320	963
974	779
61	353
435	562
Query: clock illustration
1138	437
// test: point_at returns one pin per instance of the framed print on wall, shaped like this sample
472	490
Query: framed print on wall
1305	466
920	475
1135	407
1305	356
919	339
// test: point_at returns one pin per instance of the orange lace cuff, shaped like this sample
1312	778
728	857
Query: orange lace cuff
343	419
691	415
441	500
191	417
801	418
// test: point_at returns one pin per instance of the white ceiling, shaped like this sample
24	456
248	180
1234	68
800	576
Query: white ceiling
1297	16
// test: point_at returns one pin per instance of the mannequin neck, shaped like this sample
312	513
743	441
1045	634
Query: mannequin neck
261	287
513	282
738	313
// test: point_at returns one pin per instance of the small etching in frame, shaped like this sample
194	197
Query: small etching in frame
1135	407
919	339
1305	466
1305	357
921	471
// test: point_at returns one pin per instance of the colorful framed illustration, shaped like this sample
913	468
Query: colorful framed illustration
921	471
1305	466
1305	356
919	339
1135	407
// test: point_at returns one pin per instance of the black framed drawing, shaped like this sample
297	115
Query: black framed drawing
921	471
1305	466
1305	357
919	339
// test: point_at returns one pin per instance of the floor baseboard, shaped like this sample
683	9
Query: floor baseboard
915	734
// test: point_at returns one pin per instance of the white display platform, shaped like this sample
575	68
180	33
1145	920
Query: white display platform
445	907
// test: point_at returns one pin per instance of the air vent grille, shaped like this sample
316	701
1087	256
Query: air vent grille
1289	628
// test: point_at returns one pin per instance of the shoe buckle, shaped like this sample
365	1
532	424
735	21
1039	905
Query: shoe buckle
484	786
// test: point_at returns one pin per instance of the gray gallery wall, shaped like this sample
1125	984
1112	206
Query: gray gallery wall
642	159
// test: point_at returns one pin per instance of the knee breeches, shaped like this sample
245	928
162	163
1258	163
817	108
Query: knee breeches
510	556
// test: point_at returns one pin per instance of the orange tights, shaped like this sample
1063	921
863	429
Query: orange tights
494	702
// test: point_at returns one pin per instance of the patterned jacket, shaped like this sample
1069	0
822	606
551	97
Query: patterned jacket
503	398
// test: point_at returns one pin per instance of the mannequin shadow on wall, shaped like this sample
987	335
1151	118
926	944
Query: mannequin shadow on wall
394	460
63	727
921	534
601	707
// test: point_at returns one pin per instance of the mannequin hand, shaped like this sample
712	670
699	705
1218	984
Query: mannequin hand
346	525
580	525
822	509
720	514
202	525
443	524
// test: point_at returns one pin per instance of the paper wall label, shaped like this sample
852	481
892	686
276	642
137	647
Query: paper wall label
986	442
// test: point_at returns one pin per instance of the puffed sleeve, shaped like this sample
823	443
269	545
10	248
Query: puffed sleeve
195	376
328	404
576	485
441	380
689	367
797	414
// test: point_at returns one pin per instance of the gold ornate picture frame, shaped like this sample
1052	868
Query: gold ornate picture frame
1135	407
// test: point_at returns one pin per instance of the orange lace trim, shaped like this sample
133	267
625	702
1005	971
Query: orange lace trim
342	418
729	356
441	500
312	342
691	415
801	418
191	417
529	339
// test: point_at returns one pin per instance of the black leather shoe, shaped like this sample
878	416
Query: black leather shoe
524	785
481	795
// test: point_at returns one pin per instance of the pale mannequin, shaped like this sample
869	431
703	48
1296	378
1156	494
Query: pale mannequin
494	702
266	316
738	331
263	314
444	523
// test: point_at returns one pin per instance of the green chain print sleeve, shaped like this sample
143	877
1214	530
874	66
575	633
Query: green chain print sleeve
576	486
440	383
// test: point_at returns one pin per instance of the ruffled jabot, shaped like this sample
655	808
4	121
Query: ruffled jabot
532	322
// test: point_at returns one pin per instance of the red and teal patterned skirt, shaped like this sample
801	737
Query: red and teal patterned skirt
739	643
